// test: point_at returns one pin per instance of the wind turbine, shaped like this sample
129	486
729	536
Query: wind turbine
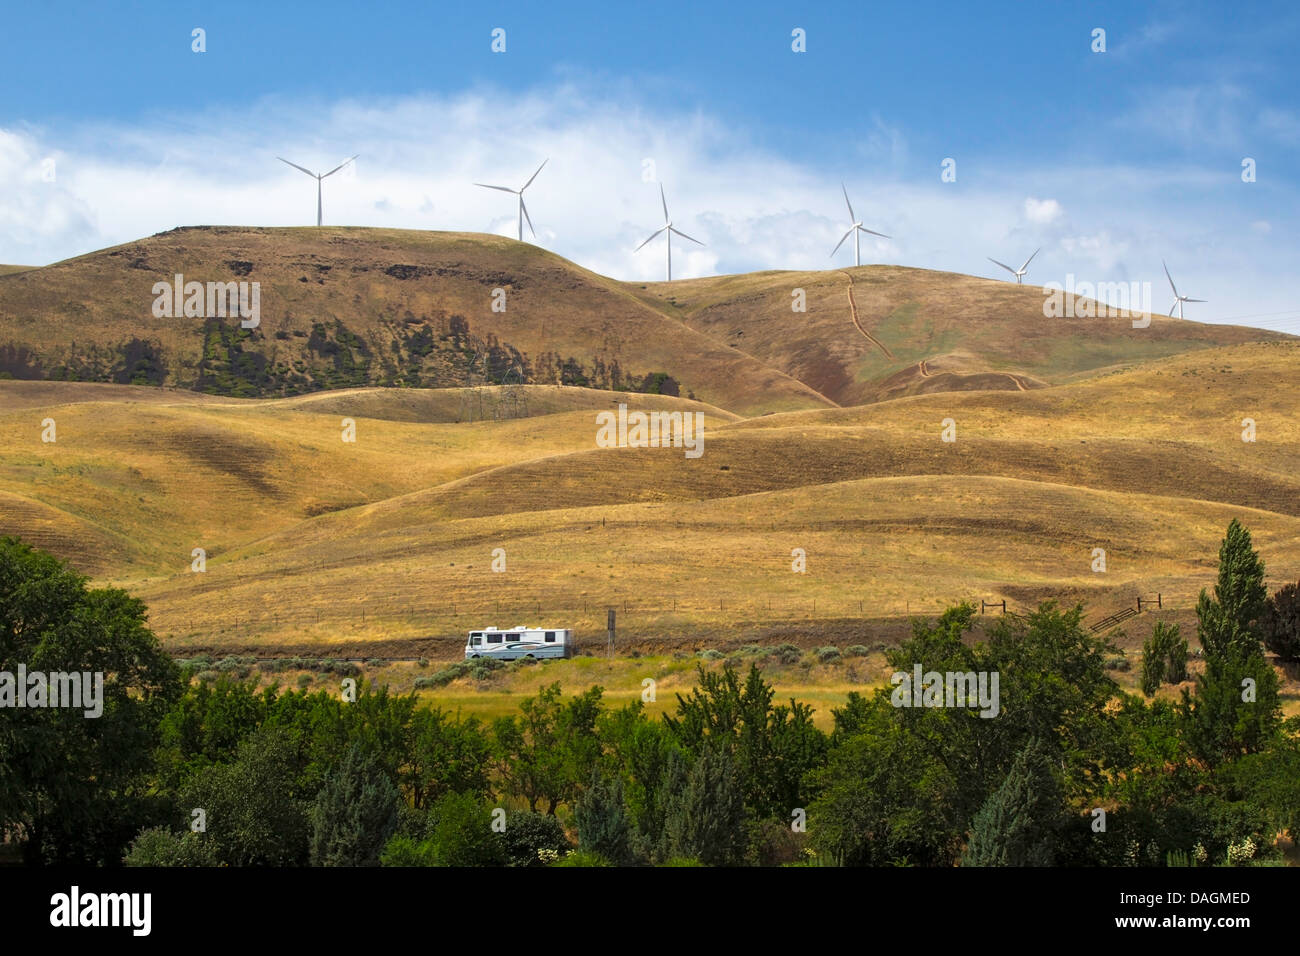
669	228
1018	273
523	210
1178	299
853	231
318	177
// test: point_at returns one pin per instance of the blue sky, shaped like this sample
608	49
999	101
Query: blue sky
1111	161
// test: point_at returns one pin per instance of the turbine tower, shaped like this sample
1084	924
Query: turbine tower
853	231
1018	273
318	177
1178	299
670	229
523	210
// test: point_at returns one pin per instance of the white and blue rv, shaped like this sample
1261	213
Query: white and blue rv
511	643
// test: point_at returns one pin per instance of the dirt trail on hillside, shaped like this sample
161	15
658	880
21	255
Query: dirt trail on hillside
853	308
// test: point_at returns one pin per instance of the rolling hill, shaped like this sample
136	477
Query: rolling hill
343	308
389	542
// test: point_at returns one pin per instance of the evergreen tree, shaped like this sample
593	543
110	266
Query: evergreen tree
1232	621
1154	658
1018	824
1236	709
602	820
1282	623
354	814
706	819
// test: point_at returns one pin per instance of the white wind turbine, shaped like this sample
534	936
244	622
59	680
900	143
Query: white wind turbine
318	177
1018	273
853	231
1178	299
523	210
670	229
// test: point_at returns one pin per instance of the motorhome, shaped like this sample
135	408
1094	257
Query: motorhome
507	644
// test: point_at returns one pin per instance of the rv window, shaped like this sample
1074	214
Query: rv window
550	637
475	641
475	634
494	638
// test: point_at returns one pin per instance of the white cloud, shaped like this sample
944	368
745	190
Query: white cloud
1042	211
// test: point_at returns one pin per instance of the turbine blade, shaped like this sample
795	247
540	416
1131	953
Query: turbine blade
684	236
664	200
852	218
534	175
527	218
339	166
840	243
643	245
1172	307
504	189
874	233
296	166
1171	280
1031	259
1002	264
1185	299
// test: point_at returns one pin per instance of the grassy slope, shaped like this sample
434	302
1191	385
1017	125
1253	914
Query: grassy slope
310	275
969	329
314	543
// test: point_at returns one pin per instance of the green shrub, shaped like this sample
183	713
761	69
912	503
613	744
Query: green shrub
828	655
529	834
582	858
712	655
159	846
856	650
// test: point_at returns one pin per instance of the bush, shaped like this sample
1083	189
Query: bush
582	858
422	662
828	655
785	654
403	850
480	668
529	835
159	846
857	650
1120	663
304	681
711	655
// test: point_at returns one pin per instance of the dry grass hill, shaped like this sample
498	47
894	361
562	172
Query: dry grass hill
1070	435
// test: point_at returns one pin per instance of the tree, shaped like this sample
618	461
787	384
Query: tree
706	819
448	755
1019	823
1154	659
602	820
1236	709
774	746
1233	619
75	784
1282	623
1164	658
354	813
256	807
548	751
869	811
